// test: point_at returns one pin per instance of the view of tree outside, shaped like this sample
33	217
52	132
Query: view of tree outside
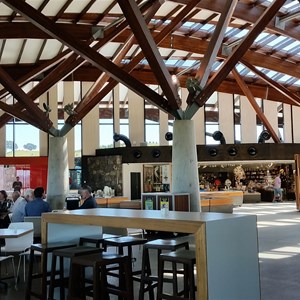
22	139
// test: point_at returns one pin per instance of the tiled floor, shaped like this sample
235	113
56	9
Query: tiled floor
279	253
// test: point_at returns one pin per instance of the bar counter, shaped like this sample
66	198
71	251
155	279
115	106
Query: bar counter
226	244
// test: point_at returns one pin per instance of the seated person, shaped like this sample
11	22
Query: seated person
38	205
5	205
18	211
86	196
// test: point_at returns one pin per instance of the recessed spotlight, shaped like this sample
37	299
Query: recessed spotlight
212	151
232	151
252	151
155	153
137	153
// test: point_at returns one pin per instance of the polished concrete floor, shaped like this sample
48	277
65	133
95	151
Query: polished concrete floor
279	253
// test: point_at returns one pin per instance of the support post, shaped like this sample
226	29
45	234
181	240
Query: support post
58	172
185	178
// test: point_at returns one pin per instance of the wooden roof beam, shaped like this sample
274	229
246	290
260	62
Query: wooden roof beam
295	100
22	97
99	83
176	22
236	55
145	39
87	53
213	48
257	109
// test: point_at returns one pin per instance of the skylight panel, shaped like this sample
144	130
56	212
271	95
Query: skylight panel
276	41
291	46
261	36
207	27
242	33
188	63
171	62
284	78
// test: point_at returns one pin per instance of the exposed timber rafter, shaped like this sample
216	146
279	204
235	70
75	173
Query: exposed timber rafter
23	98
257	109
294	99
21	114
145	39
36	71
103	78
89	54
176	22
211	53
236	55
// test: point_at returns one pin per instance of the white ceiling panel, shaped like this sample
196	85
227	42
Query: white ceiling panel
77	6
5	10
51	49
11	51
31	51
109	49
99	6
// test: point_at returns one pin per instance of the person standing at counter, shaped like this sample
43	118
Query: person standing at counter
277	189
87	198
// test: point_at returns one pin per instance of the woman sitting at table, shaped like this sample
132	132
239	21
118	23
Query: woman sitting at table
5	205
87	197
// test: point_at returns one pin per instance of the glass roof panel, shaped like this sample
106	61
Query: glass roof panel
276	41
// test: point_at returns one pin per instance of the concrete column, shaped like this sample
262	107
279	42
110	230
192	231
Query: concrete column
58	172
185	177
226	119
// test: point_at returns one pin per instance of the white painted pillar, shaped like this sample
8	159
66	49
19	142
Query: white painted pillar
71	93
270	111
184	162
3	139
163	128
44	135
116	112
287	123
226	118
58	172
136	118
296	123
248	121
90	127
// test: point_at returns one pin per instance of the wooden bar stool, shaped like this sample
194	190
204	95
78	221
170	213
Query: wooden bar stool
100	288
147	281
96	239
61	254
125	242
43	250
188	259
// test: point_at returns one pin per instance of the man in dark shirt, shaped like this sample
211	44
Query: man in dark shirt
17	185
86	196
38	205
